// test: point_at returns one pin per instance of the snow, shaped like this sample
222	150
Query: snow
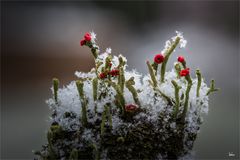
93	37
69	98
152	102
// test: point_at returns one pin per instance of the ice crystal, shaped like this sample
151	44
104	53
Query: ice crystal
163	112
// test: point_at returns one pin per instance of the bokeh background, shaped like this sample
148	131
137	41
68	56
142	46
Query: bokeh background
40	40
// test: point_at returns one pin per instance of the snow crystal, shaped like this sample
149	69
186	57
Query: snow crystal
93	37
151	101
84	75
182	42
108	51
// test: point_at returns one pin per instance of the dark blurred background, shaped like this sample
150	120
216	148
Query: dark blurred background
40	40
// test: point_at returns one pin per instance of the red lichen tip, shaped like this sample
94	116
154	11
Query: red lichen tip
159	58
184	72
114	72
181	59
102	75
82	42
131	107
87	37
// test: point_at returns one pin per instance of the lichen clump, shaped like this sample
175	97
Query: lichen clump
113	113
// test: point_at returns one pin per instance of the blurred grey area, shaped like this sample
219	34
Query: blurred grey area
40	40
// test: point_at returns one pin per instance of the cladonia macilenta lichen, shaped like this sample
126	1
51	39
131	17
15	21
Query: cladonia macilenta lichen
113	113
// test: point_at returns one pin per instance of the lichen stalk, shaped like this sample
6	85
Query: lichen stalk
185	109
199	81
95	90
107	67
95	52
177	69
104	118
97	153
109	115
151	72
119	97
73	154
121	79
55	89
167	55
51	151
168	99
212	87
155	67
83	100
154	82
177	101
130	87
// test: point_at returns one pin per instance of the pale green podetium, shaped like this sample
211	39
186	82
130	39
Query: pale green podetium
167	55
153	82
155	67
96	152
55	89
109	115
95	90
177	69
119	96
189	85
212	87
51	150
95	52
106	115
129	84
199	82
121	77
104	118
177	101
121	81
152	75
73	154
83	100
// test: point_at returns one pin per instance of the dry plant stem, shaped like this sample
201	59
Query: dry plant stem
83	100
167	55
55	89
177	101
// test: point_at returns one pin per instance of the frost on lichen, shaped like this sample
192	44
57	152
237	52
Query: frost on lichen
113	113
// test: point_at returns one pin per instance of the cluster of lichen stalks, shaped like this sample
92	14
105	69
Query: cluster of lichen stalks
141	142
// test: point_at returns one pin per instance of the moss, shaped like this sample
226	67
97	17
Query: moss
143	140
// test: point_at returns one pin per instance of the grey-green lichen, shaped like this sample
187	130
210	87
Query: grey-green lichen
122	116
